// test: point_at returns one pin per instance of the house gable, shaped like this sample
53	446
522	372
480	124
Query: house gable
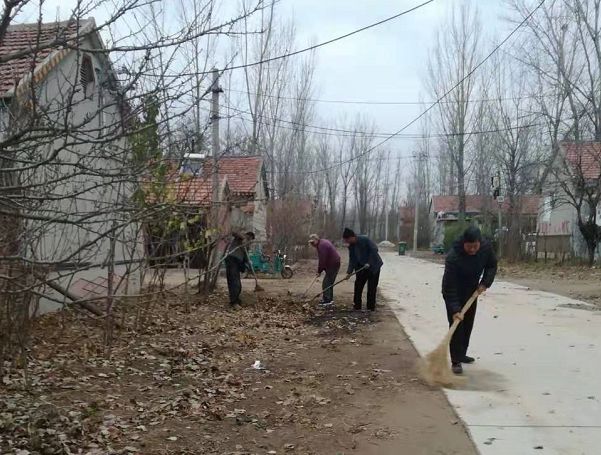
55	61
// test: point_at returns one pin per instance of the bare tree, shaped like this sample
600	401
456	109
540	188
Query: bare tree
451	63
516	155
84	169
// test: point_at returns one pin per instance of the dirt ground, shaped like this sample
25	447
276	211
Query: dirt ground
331	382
575	281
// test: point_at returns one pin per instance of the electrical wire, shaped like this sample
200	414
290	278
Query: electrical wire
444	95
310	48
378	103
353	133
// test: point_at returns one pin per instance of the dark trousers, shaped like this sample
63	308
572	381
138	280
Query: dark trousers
461	338
328	280
233	269
372	280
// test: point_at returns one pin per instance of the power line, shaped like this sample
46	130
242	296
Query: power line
378	103
313	47
352	133
444	95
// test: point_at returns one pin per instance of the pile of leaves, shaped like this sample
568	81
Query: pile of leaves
175	370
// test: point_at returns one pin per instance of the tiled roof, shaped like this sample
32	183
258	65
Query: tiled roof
585	157
196	191
185	189
35	39
242	172
477	204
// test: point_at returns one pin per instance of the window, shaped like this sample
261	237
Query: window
87	77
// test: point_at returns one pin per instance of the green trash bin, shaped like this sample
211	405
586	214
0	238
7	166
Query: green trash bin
402	248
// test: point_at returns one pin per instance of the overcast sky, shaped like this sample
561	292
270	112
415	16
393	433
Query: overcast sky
386	63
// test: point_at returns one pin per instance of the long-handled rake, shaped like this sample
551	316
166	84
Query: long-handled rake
304	294
435	368
335	284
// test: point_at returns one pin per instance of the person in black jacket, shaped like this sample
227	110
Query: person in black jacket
236	262
471	265
366	261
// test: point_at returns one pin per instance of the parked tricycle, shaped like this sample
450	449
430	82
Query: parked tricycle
264	263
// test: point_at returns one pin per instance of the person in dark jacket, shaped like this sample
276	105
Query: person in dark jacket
236	262
366	261
471	265
328	262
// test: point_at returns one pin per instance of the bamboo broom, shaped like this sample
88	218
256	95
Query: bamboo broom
435	368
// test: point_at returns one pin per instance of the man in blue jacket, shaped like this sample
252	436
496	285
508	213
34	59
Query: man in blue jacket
366	261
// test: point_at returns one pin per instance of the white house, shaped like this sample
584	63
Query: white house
558	232
62	127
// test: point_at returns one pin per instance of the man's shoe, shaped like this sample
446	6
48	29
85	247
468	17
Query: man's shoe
323	304
457	368
468	359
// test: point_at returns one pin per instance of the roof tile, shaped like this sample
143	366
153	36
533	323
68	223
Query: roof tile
32	38
584	157
241	172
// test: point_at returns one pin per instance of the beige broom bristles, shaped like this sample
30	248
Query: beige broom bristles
435	368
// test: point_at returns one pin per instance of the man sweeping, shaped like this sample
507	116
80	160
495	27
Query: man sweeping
471	265
236	261
366	261
328	262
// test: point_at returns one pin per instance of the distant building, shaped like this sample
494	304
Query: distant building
557	219
444	210
190	198
247	180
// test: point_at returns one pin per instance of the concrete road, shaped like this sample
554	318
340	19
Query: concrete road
536	385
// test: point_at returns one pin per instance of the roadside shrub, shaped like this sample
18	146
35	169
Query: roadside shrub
452	232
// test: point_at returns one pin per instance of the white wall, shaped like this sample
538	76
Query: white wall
259	221
90	211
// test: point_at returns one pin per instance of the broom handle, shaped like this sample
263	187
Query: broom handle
464	310
337	283
252	269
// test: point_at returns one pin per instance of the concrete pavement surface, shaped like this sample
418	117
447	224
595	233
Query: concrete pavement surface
536	385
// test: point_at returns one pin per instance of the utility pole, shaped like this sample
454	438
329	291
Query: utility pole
417	191
213	219
500	199
215	91
386	226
